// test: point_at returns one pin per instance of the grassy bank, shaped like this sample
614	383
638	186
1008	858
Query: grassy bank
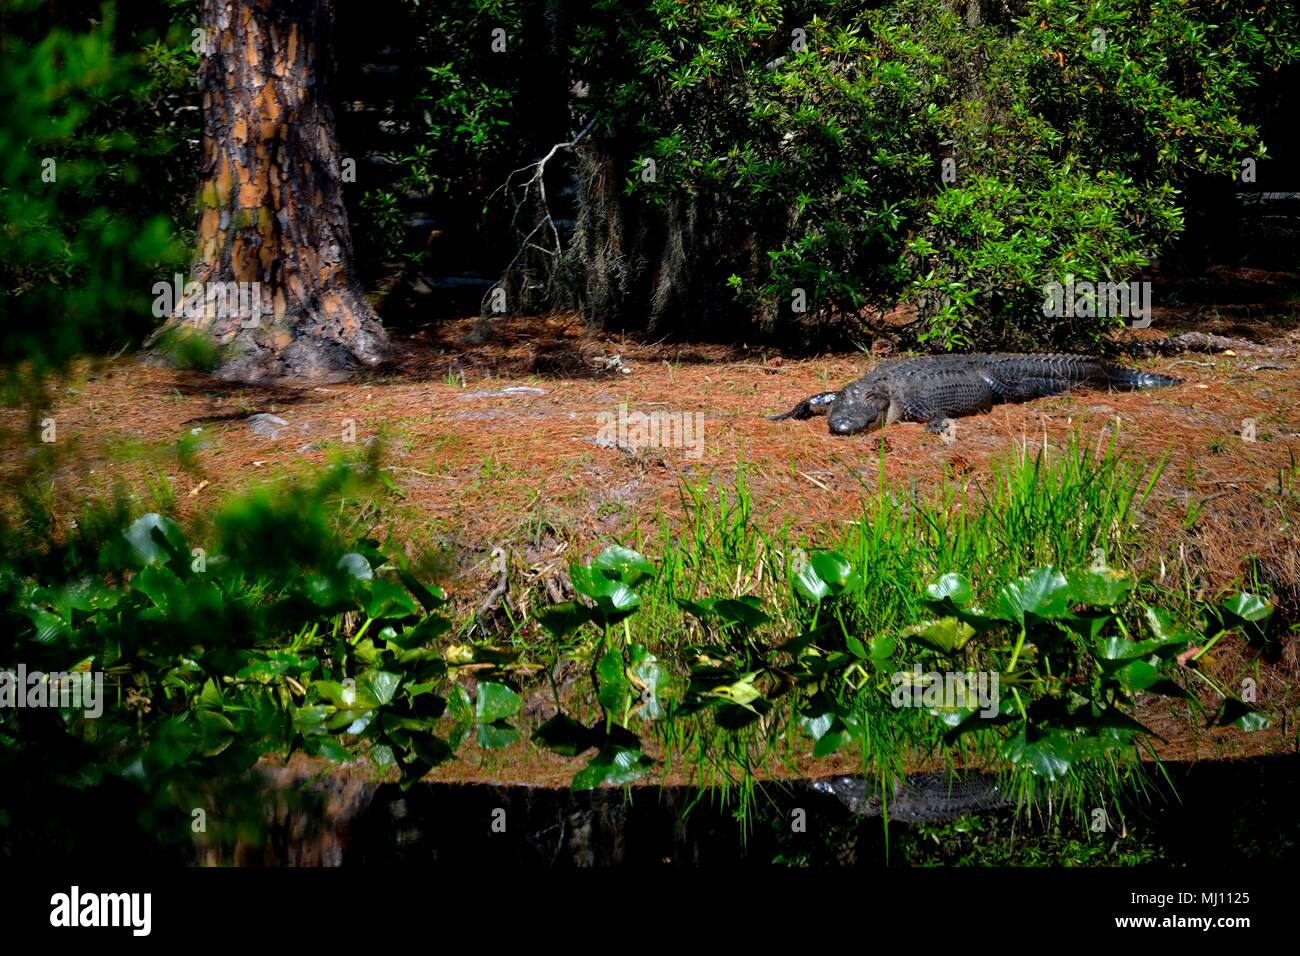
734	652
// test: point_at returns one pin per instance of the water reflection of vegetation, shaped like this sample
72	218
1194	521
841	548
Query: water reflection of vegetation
998	840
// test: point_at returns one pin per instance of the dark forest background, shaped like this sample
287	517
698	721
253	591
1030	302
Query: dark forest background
759	171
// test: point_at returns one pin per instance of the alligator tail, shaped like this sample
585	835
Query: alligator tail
1131	379
810	406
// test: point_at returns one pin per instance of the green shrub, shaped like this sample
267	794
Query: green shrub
800	150
85	155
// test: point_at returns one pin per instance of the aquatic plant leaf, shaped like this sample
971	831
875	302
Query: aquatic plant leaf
1089	625
431	597
615	689
310	720
156	540
952	587
388	600
735	717
351	721
459	705
419	635
561	619
355	566
651	676
1043	593
1138	676
701	610
327	591
741	692
495	702
216	732
746	611
382	685
1237	713
1167	687
90	595
626	565
1247	607
346	695
833	568
161	586
496	736
48	627
1099	587
816	727
1049	756
881	648
808	583
1246	611
613	598
613	765
332	749
945	635
173	741
844	729
1119	649
564	735
824	574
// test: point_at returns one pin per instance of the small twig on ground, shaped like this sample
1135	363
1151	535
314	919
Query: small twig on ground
553	591
415	471
498	592
812	479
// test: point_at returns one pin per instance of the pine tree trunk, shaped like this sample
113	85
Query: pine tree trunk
271	198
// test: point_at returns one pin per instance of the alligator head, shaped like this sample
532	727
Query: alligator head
854	412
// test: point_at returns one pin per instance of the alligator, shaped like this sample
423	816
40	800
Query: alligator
920	798
933	388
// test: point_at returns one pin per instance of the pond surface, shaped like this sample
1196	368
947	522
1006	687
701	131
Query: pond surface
1225	813
1231	811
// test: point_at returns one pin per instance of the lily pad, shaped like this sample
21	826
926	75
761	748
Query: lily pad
824	574
1043	593
564	735
495	702
945	635
155	539
1048	756
1237	713
613	598
614	765
1100	587
626	565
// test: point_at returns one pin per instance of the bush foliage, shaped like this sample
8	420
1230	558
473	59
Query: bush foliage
97	172
813	136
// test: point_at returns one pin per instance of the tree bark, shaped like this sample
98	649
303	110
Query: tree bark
271	198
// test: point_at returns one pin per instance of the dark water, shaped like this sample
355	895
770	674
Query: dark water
1226	813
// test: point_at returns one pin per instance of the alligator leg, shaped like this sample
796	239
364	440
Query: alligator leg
812	405
938	425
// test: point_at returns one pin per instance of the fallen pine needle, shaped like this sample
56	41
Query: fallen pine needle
812	479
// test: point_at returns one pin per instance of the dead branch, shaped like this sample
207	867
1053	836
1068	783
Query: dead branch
498	592
536	182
